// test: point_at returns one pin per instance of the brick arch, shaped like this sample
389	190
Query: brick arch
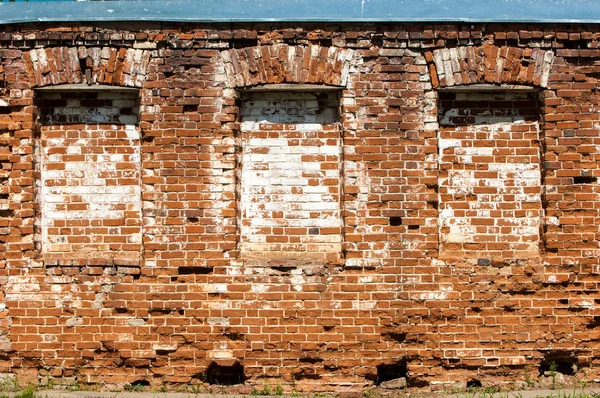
282	63
489	64
93	65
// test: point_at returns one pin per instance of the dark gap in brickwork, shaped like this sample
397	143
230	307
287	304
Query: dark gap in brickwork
576	44
225	375
234	335
243	43
4	110
397	337
282	268
82	65
559	361
311	360
581	62
594	323
387	372
160	311
194	270
140	383
413	227
474	383
395	221
328	42
3	196
6	213
450	43
585	180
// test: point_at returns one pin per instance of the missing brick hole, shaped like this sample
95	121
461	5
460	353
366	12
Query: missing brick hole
194	270
413	227
310	360
160	311
82	66
243	43
4	110
193	220
3	196
393	371
585	180
235	336
395	221
558	361
594	323
190	108
140	383
433	187
474	383
397	337
121	310
225	375
283	268
147	139
6	213
575	44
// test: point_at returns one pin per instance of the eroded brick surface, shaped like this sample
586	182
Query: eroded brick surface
90	194
290	176
391	293
490	192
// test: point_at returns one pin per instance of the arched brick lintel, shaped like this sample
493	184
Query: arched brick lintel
96	65
282	63
489	64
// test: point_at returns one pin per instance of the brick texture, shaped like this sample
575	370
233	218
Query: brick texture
90	194
490	193
290	177
446	236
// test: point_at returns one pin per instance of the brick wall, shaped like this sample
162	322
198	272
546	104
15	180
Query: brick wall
457	232
90	195
290	176
490	190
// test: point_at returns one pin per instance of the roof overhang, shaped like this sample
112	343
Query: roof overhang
214	11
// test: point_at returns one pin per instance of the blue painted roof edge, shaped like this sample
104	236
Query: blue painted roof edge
214	11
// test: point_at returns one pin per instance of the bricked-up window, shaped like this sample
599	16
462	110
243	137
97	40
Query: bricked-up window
89	162
290	176
490	180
